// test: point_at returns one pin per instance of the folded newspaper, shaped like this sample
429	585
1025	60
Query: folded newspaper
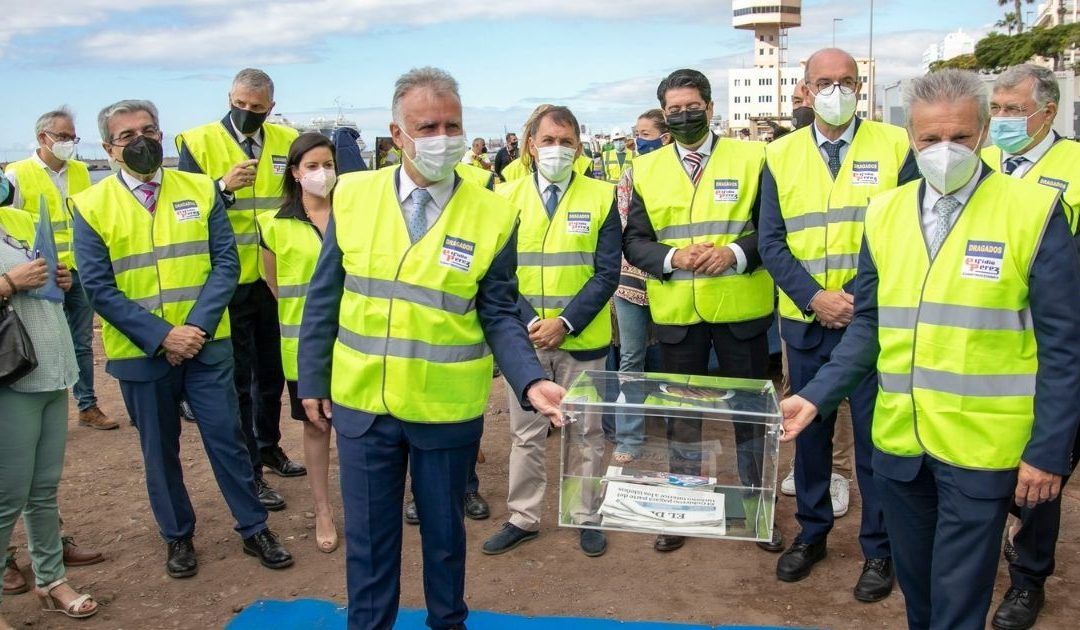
663	509
655	478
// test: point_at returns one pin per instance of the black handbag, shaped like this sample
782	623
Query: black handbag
17	358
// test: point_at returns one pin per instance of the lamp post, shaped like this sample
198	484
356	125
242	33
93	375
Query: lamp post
834	21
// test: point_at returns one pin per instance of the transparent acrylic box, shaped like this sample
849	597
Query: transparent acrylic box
704	450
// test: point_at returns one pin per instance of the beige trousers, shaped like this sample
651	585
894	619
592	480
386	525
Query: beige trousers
528	432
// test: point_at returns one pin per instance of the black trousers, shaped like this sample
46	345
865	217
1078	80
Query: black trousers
259	380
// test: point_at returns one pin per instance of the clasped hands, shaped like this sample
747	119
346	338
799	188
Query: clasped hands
183	343
704	258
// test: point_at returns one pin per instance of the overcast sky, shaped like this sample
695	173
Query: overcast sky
602	58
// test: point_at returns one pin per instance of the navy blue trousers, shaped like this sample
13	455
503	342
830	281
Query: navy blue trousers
373	467
813	457
946	546
153	404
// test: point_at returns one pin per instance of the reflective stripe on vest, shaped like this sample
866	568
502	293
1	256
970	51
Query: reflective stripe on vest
823	217
161	261
613	170
718	211
295	245
216	151
957	361
410	342
555	256
1057	169
33	182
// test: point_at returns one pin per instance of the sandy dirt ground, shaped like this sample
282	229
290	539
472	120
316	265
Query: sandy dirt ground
104	503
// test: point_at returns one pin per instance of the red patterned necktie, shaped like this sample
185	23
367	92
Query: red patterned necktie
692	161
149	193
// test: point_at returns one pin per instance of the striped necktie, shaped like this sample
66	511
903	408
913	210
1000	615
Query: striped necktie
692	164
149	195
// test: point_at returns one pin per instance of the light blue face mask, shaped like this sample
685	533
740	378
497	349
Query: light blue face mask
5	188
1009	133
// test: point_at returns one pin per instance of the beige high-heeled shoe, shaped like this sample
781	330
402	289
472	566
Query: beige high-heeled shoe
72	609
326	545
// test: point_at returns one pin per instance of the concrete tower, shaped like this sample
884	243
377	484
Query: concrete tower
769	19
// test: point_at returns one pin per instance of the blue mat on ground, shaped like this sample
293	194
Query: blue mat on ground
302	614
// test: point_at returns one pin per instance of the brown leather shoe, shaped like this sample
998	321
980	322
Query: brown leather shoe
14	582
95	419
75	558
667	543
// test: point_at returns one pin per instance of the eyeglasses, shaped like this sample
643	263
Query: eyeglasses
129	136
1009	110
825	87
63	137
693	107
15	243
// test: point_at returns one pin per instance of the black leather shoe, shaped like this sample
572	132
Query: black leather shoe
507	538
668	543
411	517
268	550
798	560
476	507
1020	609
271	499
182	562
776	545
876	581
186	414
593	542
279	463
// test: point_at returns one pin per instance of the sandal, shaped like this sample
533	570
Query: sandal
14	582
73	608
326	545
622	458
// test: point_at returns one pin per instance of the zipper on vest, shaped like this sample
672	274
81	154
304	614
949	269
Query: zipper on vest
153	251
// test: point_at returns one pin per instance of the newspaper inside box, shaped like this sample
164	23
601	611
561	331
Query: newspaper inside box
704	455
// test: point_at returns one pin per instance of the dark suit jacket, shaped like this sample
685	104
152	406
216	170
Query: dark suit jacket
502	158
496	305
641	249
142	327
597	292
1054	283
188	164
784	267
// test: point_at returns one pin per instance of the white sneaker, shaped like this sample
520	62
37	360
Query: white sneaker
787	486
839	490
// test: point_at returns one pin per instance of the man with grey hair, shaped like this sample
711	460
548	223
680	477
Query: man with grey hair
246	156
51	173
967	310
414	291
1023	106
159	265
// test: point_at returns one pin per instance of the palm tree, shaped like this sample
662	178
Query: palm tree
1018	10
1008	22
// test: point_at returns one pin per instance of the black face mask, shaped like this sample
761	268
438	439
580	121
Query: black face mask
248	122
802	117
688	126
143	155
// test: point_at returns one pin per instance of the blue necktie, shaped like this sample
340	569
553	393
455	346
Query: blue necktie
552	201
832	149
1012	164
417	219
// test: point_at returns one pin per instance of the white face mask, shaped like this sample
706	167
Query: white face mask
63	150
436	156
837	108
947	166
318	182
555	163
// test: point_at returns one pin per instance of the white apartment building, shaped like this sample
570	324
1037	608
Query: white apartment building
953	45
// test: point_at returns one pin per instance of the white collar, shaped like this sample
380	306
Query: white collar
704	150
133	183
848	136
440	191
542	184
1035	153
40	162
962	195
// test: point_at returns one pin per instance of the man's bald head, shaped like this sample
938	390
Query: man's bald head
829	61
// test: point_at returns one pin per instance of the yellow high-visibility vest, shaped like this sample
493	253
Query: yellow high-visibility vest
161	260
33	182
410	342
957	362
1057	169
556	256
717	210
478	176
216	151
613	171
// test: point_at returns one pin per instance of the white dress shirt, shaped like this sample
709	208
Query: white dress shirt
440	196
1031	156
257	137
133	182
930	218
705	150
848	137
542	184
58	178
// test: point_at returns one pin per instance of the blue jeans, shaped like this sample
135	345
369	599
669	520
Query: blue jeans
80	319
635	356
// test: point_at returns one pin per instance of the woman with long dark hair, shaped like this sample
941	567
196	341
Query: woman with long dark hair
292	239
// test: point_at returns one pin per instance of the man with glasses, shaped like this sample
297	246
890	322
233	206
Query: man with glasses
159	265
246	156
692	226
814	194
52	173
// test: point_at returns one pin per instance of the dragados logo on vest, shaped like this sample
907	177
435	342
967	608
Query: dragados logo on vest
982	260
725	191
864	173
457	253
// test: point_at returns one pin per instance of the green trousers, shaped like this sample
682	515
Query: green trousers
34	430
